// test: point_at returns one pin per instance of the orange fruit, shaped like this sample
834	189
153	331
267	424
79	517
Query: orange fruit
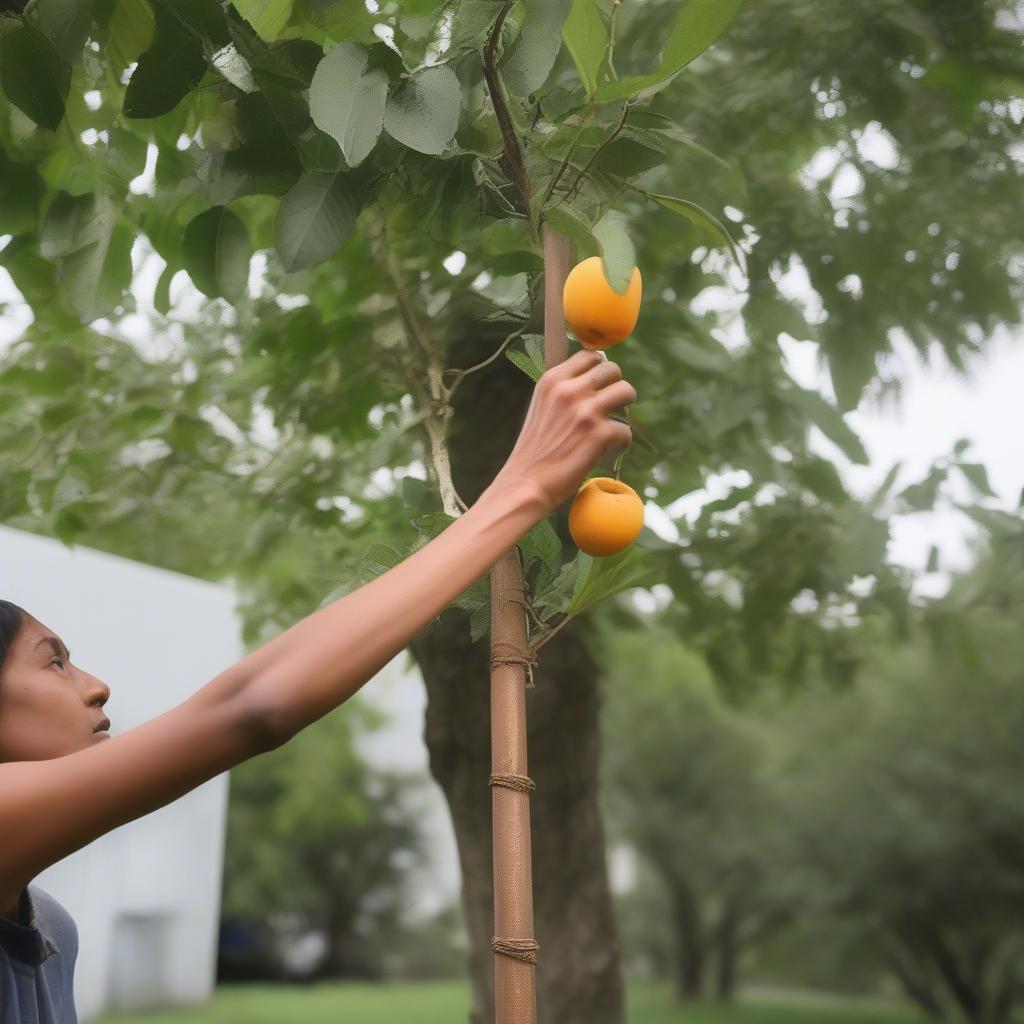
606	516
598	315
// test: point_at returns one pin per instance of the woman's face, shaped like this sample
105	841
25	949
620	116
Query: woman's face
48	707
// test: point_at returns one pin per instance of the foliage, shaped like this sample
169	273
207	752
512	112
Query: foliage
909	824
314	832
687	789
245	143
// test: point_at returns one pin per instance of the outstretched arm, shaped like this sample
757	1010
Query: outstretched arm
322	660
50	808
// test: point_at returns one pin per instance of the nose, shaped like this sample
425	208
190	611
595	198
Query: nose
97	691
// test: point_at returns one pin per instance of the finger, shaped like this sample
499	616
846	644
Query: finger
615	396
581	361
620	438
603	374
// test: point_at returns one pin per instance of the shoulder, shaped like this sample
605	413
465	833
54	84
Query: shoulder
53	921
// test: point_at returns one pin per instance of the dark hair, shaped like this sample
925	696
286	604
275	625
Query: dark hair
11	619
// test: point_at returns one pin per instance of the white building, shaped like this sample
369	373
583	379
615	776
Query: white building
145	897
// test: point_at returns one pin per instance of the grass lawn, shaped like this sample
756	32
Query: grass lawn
448	1003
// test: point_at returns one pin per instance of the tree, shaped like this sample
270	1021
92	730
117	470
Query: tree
313	831
909	824
356	207
688	789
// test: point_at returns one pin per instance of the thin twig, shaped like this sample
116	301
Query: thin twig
591	107
461	375
597	152
534	648
611	38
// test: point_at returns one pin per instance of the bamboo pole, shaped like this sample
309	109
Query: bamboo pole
514	944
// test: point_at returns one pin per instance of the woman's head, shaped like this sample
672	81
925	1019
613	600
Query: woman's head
48	707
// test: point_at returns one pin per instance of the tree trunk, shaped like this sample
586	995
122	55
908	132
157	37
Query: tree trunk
578	969
690	951
725	978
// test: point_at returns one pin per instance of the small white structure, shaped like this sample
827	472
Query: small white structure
145	897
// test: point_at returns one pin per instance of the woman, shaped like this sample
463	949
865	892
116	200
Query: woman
64	781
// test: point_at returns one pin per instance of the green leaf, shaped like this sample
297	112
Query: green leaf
166	72
21	189
162	292
586	36
851	364
882	491
130	31
471	21
285	102
314	219
921	496
556	596
97	268
933	560
604	577
61	224
698	24
34	77
423	112
204	19
977	477
479	593
479	622
416	494
527	64
348	21
216	251
66	24
829	420
534	344
508	235
704	220
631	153
347	101
268	17
525	363
862	544
618	256
571	224
259	55
542	543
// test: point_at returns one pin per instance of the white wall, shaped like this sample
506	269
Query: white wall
145	897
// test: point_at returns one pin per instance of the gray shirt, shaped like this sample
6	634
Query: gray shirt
37	962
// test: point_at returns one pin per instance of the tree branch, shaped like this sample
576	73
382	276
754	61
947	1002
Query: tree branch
510	141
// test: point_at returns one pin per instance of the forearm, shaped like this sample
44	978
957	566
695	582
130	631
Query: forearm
318	663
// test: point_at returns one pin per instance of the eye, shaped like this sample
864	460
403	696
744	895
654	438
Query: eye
57	658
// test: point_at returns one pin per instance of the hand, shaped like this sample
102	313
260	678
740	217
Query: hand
567	428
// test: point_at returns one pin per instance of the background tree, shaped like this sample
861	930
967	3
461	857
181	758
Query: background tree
314	832
252	146
688	789
909	824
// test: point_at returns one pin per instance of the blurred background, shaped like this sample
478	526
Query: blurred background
778	744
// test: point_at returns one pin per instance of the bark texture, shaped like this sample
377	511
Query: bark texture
578	971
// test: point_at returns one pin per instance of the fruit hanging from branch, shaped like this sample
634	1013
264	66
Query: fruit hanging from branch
605	517
597	314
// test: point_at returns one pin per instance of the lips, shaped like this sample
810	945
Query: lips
103	726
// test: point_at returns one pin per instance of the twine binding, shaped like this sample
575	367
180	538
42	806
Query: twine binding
505	653
523	783
519	949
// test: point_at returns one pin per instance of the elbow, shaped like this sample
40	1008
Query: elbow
266	724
